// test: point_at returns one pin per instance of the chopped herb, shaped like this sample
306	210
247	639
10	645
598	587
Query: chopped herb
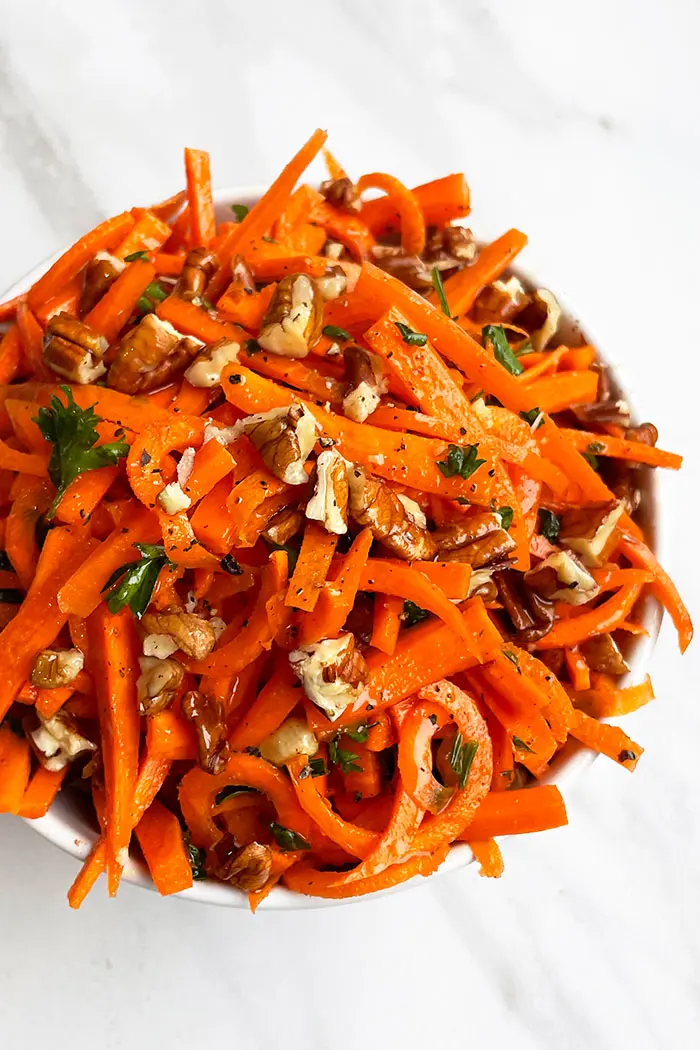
340	757
156	292
440	291
595	446
144	305
251	750
240	211
196	857
525	349
230	565
532	416
513	659
461	757
73	436
521	745
506	517
413	614
359	732
462	460
409	336
626	756
230	791
132	584
315	767
333	332
591	459
549	524
252	346
141	256
288	840
494	334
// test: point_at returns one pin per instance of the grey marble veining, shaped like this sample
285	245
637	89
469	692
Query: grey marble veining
578	124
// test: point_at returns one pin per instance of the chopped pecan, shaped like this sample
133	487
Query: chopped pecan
531	615
612	411
552	658
284	438
541	318
74	350
54	668
592	531
366	382
410	269
333	673
290	739
285	524
159	681
456	242
646	433
602	653
293	320
562	577
206	714
341	193
479	540
375	504
99	274
481	585
200	266
194	636
206	369
501	301
149	355
329	503
625	487
457	534
247	868
332	284
57	741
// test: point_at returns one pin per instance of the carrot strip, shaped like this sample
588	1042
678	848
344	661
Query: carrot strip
601	620
558	392
608	740
441	201
147	234
23	462
275	701
160	838
387	622
411	216
610	701
8	309
419	724
212	463
488	856
31	338
663	587
517	812
109	315
193	320
199	197
309	577
14	770
338	596
167	209
40	793
578	669
462	289
67	300
169	264
84	493
10	355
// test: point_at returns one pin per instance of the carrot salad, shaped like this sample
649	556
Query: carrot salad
320	543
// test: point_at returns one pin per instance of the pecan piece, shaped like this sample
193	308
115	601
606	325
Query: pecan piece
206	714
332	284
194	636
54	668
206	369
602	653
366	383
646	433
74	350
293	320
592	531
562	577
531	616
501	301
99	274
57	741
290	739
159	681
409	269
329	503
479	540
376	505
284	438
333	673
285	524
247	868
200	266
541	318
149	355
341	193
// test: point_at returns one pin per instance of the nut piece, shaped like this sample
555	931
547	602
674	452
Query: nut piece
450	247
502	300
73	349
292	322
247	869
479	540
206	713
208	365
541	318
329	503
173	499
58	742
646	433
375	504
200	266
284	438
531	616
409	269
159	645
592	531
602	653
481	585
149	355
332	672
562	577
54	668
366	380
159	680
291	739
414	510
99	274
333	283
285	524
195	636
341	193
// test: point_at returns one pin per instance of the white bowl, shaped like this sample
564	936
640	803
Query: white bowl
65	825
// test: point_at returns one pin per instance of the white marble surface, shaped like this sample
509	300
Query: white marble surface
579	124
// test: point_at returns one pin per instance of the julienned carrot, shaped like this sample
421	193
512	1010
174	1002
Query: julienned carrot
487	854
296	374
84	494
33	463
14	770
103	237
305	879
67	300
517	812
31	338
112	311
463	288
261	217
608	740
419	724
8	309
169	264
147	234
199	197
404	201
40	793
236	306
440	201
557	447
579	672
638	553
338	596
10	354
160	838
192	320
212	463
608	700
601	620
387	622
345	227
113	659
620	448
562	390
309	576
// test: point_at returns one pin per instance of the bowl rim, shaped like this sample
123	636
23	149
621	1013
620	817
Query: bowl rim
77	840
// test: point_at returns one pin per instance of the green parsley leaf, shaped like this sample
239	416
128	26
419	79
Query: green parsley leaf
506	517
156	292
340	757
240	211
132	584
143	256
591	459
461	460
196	857
495	336
288	840
413	614
440	291
521	745
315	767
461	757
549	524
230	791
359	732
513	659
71	431
532	416
144	305
409	336
333	332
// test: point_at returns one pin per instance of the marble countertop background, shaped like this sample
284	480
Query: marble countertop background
578	123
